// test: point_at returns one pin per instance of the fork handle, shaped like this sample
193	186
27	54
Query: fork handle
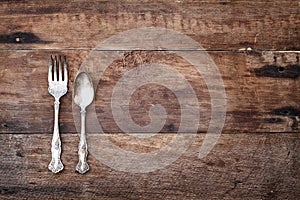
56	165
82	166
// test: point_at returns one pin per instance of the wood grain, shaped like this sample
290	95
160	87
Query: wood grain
216	25
250	166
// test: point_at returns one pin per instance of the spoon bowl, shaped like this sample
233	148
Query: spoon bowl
83	90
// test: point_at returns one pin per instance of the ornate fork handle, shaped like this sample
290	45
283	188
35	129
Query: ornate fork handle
56	165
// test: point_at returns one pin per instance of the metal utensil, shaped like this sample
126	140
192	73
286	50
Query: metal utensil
83	96
58	82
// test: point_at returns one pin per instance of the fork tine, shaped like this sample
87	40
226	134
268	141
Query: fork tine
55	69
50	69
60	78
65	70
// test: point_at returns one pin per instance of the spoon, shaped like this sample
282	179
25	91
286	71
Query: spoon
83	96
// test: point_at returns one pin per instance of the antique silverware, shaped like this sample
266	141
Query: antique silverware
58	81
83	96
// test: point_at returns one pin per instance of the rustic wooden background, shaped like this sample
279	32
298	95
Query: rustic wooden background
256	46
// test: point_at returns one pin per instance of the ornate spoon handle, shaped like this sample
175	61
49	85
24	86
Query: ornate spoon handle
82	166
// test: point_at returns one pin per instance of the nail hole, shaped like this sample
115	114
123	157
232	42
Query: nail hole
171	127
286	112
19	154
275	59
280	69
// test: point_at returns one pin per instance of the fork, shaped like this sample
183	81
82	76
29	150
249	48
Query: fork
57	88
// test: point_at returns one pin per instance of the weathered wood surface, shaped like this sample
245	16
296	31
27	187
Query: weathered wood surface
217	25
257	100
257	155
243	166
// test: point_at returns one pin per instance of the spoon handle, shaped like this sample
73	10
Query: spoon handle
82	166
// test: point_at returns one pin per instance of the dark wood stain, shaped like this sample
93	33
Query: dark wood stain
276	71
274	120
287	111
22	37
290	112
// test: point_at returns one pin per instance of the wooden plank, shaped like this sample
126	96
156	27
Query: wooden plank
244	166
261	94
216	25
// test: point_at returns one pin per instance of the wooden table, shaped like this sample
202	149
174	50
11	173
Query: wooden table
255	46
